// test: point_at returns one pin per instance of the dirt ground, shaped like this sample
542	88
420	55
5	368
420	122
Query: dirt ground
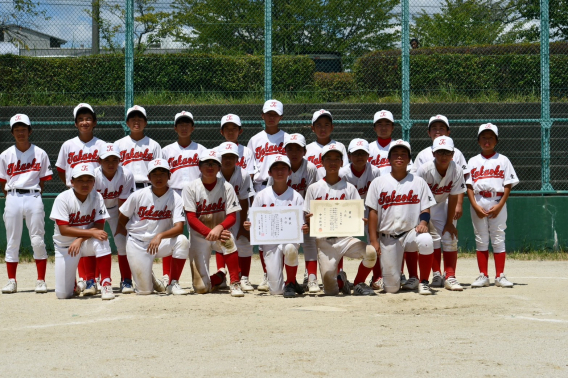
519	332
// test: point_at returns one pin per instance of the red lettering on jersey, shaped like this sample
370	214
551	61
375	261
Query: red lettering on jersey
269	149
76	219
395	199
241	163
362	191
75	159
111	195
328	198
486	174
151	214
209	208
437	190
129	157
315	160
181	162
299	187
18	168
379	162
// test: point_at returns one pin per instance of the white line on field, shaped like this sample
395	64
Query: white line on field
551	278
90	321
540	320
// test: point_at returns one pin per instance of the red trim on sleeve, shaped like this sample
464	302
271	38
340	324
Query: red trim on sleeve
60	170
100	221
61	222
229	221
2	180
196	224
46	178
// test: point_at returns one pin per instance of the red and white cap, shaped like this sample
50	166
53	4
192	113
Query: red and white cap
82	106
231	118
273	105
400	143
210	155
443	143
488	126
439	118
82	170
279	159
109	149
20	118
182	114
358	144
136	108
333	147
320	113
228	148
298	139
383	114
158	163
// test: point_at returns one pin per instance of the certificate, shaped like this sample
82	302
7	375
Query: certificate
276	225
337	218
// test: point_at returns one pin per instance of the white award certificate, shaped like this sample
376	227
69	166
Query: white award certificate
276	225
337	218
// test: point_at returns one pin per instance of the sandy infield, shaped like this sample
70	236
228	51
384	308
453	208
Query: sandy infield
519	332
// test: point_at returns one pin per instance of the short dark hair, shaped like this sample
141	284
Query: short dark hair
203	162
409	154
19	124
131	114
324	116
85	111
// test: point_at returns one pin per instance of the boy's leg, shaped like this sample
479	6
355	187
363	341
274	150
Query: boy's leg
392	253
311	259
328	260
65	268
481	230
358	249
35	221
13	220
120	242
421	243
199	255
273	259
291	262
245	253
141	265
497	227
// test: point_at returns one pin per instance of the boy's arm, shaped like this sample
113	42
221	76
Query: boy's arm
459	207
495	210
154	245
452	204
423	225
478	210
244	216
62	176
121	225
97	232
2	185
373	227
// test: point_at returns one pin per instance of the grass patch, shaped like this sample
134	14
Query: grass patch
534	255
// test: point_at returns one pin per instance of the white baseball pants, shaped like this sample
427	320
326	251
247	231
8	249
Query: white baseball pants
438	216
119	240
487	229
273	256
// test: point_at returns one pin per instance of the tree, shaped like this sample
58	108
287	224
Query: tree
557	15
23	13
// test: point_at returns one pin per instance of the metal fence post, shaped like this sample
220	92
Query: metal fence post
405	44
95	39
545	122
267	50
129	59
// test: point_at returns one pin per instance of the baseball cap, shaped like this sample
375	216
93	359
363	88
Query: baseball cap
136	108
400	143
358	144
333	147
20	118
80	107
231	118
228	148
488	126
320	113
109	149
298	139
158	163
279	159
438	118
443	143
82	170
182	114
210	155
273	105
383	114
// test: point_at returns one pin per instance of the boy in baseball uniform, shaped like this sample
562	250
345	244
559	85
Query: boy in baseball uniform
115	184
446	182
399	204
79	215
278	256
332	250
322	126
241	181
154	219
211	205
231	129
491	177
24	168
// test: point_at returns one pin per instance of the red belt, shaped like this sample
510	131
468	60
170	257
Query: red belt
491	194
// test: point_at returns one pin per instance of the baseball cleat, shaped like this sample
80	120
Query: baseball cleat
175	289
236	290
411	284
289	291
222	274
166	280
452	284
91	288
363	289
11	287
424	288
502	281
437	280
81	285
264	284
313	287
106	292
41	287
346	289
306	279
402	279
158	284
376	284
98	281
76	291
480	281
126	286
245	284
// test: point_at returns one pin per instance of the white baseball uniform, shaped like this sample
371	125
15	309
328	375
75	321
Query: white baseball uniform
246	159
120	187
135	155
427	155
263	145
68	210
183	162
211	208
488	177
398	205
275	254
379	157
74	152
24	170
148	216
313	155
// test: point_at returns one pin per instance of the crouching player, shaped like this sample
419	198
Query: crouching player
79	215
154	219
399	211
332	250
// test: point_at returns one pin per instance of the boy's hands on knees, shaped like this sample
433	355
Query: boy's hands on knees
225	235
422	228
451	229
155	244
75	247
377	247
215	233
99	234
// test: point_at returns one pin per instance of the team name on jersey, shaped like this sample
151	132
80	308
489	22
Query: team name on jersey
182	162
364	189
241	163
128	157
149	213
111	195
485	174
394	199
73	159
437	190
379	162
76	219
269	149
203	208
328	198
315	160
18	168
299	187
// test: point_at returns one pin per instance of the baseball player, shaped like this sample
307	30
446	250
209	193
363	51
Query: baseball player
211	205
399	211
115	184
268	142
322	126
231	129
446	182
241	181
277	255
79	215
360	173
331	250
491	177
24	168
154	219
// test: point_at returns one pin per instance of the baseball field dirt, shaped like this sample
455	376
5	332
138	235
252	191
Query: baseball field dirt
518	332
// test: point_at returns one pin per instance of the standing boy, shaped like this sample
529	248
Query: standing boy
231	129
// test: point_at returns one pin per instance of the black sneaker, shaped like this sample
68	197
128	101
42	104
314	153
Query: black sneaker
289	291
299	289
346	289
363	289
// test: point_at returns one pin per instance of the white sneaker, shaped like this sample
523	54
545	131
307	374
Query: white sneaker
424	288
166	280
402	279
11	287
452	284
175	289
502	281
306	279
313	287
106	293
98	282
41	287
264	284
236	290
245	284
411	284
437	280
376	284
81	285
158	284
480	281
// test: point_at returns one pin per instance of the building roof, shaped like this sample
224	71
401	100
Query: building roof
14	26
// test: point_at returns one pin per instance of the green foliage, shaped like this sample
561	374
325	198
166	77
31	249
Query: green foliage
557	15
335	87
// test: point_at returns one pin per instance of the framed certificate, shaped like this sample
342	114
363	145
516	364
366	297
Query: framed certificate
276	225
337	218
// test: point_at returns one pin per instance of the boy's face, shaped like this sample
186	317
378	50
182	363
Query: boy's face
83	184
271	119
184	128
85	122
487	140
136	122
231	132
109	164
438	129
295	152
384	128
21	133
209	169
159	178
279	172
443	157
359	158
228	161
332	162
399	157
322	127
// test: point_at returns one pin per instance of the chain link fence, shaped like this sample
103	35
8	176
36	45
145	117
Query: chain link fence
472	60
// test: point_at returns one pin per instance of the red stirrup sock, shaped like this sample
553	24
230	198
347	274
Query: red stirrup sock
220	259
104	264
232	260
177	268
166	265
425	262
124	267
499	263
412	264
437	260
362	274
244	265
450	262
261	254
291	272
483	261
12	267
90	265
41	266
